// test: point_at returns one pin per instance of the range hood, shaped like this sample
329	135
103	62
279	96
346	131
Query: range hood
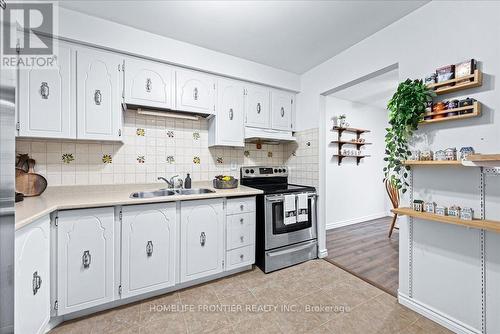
161	112
267	136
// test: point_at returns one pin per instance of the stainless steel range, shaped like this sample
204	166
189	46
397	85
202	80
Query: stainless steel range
286	218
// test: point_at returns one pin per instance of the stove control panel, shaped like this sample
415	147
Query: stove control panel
264	171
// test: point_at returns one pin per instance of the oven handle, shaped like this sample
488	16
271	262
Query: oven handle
291	250
280	198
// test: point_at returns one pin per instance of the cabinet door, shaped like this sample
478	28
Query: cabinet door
281	110
227	128
32	279
99	92
85	258
257	107
47	106
202	234
148	248
148	83
195	92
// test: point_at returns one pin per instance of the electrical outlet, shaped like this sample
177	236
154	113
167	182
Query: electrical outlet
234	166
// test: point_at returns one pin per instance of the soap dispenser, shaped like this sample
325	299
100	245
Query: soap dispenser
187	182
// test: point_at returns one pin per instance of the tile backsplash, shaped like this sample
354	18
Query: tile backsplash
156	146
303	158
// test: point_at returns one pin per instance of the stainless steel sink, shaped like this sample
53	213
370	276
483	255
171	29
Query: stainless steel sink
154	193
194	191
170	192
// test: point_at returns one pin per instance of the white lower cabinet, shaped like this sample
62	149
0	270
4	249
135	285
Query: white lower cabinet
32	278
202	239
240	232
148	243
85	258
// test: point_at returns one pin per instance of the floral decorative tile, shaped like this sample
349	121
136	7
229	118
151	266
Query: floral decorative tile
67	158
170	134
308	144
196	160
107	159
220	160
141	159
269	154
140	132
170	159
294	153
196	135
246	153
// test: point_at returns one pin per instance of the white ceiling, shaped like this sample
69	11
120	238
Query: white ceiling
290	35
376	91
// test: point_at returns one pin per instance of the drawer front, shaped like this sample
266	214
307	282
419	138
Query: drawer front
240	230
240	257
240	205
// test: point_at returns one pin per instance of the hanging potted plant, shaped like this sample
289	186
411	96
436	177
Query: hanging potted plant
406	110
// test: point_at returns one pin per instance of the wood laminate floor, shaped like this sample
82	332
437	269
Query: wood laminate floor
365	251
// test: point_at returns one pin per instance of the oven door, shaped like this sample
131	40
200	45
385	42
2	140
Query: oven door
277	233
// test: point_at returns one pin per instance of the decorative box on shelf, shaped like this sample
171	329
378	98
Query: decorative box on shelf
454	211
451	153
441	210
418	205
467	214
430	207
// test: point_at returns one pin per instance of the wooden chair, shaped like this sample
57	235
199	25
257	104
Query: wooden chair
393	193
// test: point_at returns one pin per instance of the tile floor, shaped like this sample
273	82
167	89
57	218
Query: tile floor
313	297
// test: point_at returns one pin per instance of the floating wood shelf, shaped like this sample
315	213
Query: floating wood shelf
432	163
346	142
489	225
475	80
475	110
342	156
484	158
354	130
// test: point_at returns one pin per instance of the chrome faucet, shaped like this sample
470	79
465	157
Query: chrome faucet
171	182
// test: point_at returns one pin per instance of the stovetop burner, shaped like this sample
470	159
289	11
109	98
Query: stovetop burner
270	179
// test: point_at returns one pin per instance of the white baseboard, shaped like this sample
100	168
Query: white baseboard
322	253
444	320
356	220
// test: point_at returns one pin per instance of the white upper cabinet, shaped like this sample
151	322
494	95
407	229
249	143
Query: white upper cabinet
99	94
195	92
148	248
202	238
257	107
227	128
281	110
47	106
148	83
85	259
32	279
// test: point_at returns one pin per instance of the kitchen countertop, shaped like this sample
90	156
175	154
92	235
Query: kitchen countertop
79	197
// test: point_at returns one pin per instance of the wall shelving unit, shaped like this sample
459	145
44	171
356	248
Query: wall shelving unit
341	142
472	111
470	81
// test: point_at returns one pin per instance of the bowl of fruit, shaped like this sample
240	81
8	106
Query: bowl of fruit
225	182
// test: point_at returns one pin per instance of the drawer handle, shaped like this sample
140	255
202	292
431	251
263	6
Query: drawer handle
203	239
44	90
149	85
86	259
282	112
241	221
195	94
258	108
242	207
242	238
231	114
242	256
149	248
37	282
97	97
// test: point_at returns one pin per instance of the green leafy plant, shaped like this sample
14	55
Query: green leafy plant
406	110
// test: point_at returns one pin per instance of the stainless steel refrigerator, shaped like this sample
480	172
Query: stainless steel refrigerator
7	195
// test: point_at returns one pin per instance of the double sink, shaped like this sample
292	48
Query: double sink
170	192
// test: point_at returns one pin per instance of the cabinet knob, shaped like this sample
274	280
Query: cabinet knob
231	114
37	282
195	93
242	238
149	248
86	259
242	256
282	112
242	207
203	239
44	90
259	108
241	221
149	85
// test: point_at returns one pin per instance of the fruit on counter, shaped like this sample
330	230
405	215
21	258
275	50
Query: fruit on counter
224	178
